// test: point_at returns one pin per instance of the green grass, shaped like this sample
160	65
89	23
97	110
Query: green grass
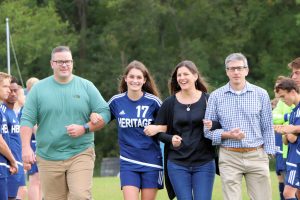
109	188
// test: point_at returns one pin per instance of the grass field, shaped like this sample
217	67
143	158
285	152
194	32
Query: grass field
109	188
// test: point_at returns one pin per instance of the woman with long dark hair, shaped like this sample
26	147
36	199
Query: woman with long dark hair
190	165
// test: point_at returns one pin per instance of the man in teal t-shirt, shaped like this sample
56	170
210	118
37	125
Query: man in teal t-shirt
61	105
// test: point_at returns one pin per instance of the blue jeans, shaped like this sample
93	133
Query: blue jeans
192	183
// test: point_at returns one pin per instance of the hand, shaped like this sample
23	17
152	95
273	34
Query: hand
75	130
237	134
27	166
176	141
95	118
279	129
285	129
13	168
28	155
151	130
207	123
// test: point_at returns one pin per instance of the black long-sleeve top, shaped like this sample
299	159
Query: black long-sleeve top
195	149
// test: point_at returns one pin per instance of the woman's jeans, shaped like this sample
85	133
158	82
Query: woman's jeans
192	183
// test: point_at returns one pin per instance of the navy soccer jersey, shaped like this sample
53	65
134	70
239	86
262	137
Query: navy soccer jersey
137	151
13	124
4	164
294	148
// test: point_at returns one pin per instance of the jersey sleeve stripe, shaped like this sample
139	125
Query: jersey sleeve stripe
153	97
116	97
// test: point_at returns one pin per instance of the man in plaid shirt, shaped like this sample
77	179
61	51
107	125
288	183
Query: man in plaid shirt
246	137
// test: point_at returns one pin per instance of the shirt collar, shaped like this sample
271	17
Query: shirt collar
248	88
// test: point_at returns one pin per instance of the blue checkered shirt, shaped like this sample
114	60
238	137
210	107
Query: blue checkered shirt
250	111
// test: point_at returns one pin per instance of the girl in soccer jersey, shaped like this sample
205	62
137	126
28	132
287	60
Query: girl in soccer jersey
140	156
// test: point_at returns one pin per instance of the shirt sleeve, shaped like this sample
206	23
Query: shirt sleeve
112	109
211	114
162	119
266	124
98	104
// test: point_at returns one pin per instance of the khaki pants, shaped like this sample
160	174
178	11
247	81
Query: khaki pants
68	179
253	165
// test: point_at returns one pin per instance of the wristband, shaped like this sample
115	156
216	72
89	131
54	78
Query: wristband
86	128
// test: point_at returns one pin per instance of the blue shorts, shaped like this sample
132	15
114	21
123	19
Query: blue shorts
148	179
280	164
13	184
292	177
3	188
34	169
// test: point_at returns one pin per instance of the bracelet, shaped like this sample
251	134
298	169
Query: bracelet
86	128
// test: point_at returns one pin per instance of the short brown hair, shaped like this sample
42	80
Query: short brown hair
295	64
279	79
60	49
287	84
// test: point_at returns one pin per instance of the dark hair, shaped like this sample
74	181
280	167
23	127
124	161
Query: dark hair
149	86
14	80
278	80
60	49
200	83
287	84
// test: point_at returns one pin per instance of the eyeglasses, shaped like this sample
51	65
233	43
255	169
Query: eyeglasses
61	62
238	68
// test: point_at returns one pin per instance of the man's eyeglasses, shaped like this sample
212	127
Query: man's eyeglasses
238	68
61	62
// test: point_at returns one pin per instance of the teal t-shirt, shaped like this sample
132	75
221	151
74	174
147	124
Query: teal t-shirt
53	106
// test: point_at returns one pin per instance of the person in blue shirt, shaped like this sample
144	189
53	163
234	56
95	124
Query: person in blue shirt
289	92
8	164
140	156
280	113
294	66
13	122
247	135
